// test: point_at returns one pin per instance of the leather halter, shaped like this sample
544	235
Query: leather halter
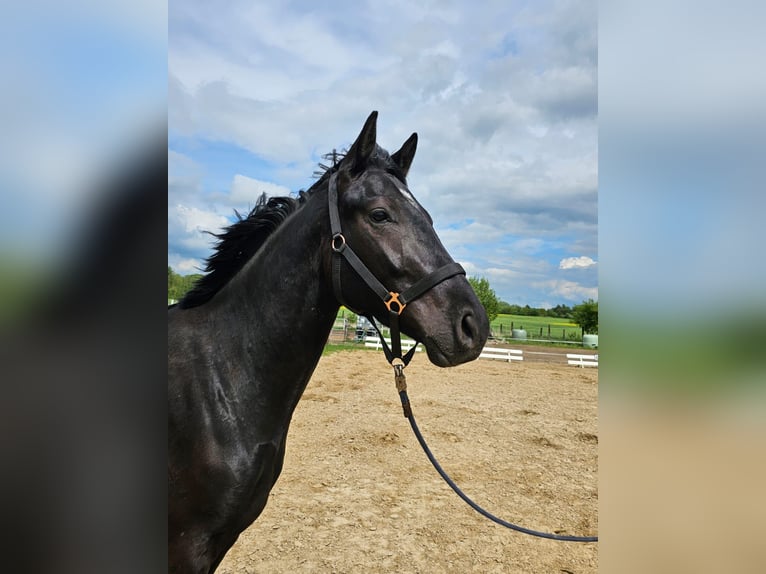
394	301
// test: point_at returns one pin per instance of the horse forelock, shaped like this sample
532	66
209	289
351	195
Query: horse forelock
380	158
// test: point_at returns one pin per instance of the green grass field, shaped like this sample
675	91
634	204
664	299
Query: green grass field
552	327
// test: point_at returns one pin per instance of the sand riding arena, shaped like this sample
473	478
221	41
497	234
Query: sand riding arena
357	494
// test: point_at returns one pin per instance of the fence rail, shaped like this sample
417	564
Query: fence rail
508	355
543	331
582	361
374	343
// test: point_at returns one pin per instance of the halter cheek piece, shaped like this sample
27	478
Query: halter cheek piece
394	302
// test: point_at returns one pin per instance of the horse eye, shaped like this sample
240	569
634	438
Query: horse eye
379	215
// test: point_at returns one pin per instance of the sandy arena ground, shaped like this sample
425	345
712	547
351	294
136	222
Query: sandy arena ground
358	495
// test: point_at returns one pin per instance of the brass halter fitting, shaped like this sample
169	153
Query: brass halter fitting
393	304
399	379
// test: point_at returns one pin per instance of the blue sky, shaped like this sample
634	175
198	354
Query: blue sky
503	96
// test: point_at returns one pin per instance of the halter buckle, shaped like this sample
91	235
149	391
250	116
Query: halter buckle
393	299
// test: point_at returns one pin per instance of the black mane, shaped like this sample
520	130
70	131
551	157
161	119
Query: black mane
242	239
238	243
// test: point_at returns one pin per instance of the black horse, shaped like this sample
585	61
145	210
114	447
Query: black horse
243	343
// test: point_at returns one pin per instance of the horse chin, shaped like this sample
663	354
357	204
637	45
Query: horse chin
437	357
440	358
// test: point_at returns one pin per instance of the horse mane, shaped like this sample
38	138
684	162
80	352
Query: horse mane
242	239
237	244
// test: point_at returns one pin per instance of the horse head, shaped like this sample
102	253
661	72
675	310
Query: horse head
393	235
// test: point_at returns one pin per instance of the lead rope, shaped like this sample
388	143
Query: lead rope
400	380
401	386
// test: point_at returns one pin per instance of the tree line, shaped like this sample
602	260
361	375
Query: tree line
585	314
178	285
561	311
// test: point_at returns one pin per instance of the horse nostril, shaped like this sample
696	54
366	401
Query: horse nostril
468	326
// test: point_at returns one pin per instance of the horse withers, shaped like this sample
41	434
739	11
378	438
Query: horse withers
236	370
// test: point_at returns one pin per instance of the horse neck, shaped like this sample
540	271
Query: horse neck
283	301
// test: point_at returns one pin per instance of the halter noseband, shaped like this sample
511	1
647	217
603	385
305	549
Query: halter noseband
394	302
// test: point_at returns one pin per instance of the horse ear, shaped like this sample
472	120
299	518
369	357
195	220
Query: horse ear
403	158
361	150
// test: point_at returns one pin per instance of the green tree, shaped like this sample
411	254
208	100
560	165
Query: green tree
178	285
486	296
560	311
586	315
173	280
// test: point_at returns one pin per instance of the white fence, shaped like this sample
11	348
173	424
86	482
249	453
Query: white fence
582	360
497	353
507	355
374	343
500	354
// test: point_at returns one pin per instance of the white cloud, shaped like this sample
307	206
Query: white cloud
471	269
186	266
247	189
187	227
529	245
180	164
474	233
568	290
195	219
502	97
581	262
